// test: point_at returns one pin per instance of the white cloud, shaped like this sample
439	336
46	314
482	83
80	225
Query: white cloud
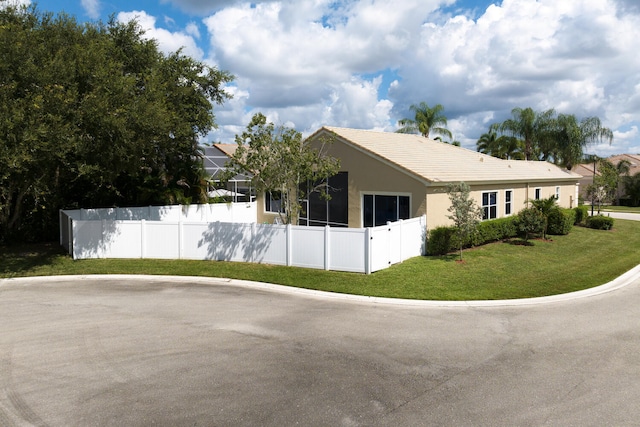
168	41
14	3
316	62
92	8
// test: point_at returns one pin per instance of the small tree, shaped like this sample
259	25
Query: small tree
281	163
465	213
545	206
530	221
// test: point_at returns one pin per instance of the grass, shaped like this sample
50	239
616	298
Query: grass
502	270
626	209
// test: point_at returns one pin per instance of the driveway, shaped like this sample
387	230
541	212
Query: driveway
207	352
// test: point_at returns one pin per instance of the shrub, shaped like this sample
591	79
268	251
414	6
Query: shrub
600	222
560	221
494	230
582	213
530	221
441	241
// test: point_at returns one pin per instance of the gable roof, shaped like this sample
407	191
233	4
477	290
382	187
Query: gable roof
439	162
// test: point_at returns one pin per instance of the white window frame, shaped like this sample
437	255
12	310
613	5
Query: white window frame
537	193
557	192
510	202
270	201
488	206
382	193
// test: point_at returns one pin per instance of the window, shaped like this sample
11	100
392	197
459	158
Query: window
538	193
273	202
378	209
557	193
489	205
508	200
318	211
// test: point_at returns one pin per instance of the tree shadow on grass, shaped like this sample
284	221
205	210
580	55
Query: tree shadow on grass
21	258
519	242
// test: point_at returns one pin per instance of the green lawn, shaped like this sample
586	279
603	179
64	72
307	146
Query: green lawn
583	259
626	209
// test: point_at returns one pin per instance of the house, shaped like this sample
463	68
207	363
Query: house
389	176
215	157
586	170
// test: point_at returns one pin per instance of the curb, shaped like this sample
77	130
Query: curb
622	281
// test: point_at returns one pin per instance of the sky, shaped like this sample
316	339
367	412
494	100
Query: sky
362	63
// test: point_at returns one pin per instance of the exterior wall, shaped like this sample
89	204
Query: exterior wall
438	200
370	176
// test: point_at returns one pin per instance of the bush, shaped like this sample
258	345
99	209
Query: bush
530	221
600	222
494	230
560	221
442	240
582	213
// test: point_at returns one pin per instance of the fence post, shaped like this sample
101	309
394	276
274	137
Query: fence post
289	248
71	234
180	243
401	241
367	250
143	239
327	242
254	232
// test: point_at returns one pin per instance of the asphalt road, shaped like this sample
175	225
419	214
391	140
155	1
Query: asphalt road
123	352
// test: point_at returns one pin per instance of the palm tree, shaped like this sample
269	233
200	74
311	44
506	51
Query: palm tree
545	206
623	168
571	137
503	146
530	126
425	121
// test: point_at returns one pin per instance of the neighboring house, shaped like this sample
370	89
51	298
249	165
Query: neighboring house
215	157
586	170
390	176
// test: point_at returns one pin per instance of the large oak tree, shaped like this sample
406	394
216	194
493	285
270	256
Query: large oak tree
94	115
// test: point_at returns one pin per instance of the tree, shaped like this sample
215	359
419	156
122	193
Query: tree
530	126
632	188
622	168
572	136
426	120
282	164
465	213
95	115
530	221
502	146
545	207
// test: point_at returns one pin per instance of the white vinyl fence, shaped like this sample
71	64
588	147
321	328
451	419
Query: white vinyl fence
89	234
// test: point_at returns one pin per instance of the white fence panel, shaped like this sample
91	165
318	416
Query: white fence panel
343	249
133	214
347	250
307	246
414	237
87	239
122	239
197	240
161	240
379	251
270	244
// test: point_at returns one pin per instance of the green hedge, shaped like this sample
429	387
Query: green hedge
560	221
582	213
442	240
600	222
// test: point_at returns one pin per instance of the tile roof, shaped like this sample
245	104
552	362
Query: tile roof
439	162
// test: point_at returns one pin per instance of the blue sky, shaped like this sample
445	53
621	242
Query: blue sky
362	63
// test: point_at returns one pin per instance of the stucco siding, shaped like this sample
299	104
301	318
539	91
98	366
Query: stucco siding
371	176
